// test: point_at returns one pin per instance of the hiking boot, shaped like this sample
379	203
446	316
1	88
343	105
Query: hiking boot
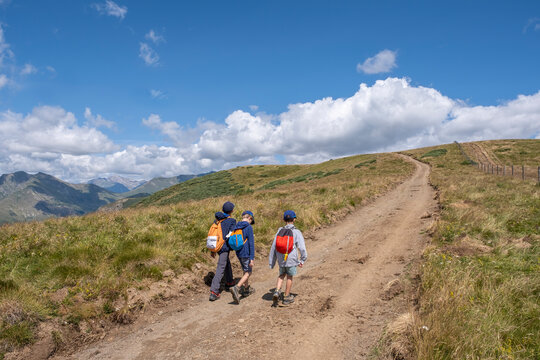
213	296
235	294
287	300
246	291
275	298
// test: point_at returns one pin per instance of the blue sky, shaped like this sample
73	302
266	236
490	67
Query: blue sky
143	89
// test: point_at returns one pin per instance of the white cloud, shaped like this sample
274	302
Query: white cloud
5	51
389	115
533	23
28	69
3	80
111	8
149	55
383	62
253	107
98	120
157	94
154	37
49	129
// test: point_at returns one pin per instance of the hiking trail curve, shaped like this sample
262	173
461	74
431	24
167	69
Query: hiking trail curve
341	306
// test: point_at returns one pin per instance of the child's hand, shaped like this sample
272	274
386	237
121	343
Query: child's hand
213	254
301	265
251	263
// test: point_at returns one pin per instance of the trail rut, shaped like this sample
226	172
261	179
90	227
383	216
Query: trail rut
340	308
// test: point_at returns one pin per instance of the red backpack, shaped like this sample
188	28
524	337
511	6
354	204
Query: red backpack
285	241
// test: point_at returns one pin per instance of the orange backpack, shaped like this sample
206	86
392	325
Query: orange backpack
215	241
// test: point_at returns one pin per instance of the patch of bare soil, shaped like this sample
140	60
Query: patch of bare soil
352	287
480	154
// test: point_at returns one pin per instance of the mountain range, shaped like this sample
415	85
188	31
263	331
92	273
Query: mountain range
25	197
117	184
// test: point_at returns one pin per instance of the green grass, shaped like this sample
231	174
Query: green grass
434	153
365	163
480	292
302	178
96	258
212	185
517	152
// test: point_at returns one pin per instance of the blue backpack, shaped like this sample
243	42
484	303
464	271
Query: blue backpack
236	240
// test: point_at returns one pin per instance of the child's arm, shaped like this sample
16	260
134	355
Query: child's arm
301	246
251	244
272	256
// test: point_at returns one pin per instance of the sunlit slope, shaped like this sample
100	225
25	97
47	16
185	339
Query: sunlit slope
253	179
481	278
95	258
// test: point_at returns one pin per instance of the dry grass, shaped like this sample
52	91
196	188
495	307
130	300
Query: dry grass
481	279
75	268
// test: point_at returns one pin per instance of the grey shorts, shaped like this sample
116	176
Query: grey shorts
291	270
245	265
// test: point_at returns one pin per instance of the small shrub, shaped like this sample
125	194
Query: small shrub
434	153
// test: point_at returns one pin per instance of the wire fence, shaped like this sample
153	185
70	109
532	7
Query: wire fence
518	171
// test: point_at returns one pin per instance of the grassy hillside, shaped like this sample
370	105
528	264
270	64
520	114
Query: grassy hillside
94	259
480	294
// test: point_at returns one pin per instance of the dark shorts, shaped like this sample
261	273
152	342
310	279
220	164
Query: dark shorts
245	265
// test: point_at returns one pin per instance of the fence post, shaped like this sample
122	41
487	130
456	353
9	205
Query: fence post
512	170
504	170
523	172
497	169
539	174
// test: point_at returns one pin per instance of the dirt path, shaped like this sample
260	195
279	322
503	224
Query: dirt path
339	311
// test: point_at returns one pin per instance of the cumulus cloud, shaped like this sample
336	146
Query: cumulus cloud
154	37
253	107
389	115
28	69
111	8
148	54
35	142
383	62
97	120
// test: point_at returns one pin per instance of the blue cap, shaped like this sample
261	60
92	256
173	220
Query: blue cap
228	207
247	212
289	215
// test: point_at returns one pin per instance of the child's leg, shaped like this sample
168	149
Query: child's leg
280	281
244	280
288	285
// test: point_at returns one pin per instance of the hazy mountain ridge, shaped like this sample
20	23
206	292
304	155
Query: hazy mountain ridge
26	197
117	184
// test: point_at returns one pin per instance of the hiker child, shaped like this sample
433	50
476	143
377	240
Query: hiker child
243	237
223	265
287	243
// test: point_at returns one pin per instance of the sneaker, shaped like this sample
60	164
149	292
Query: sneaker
288	300
246	291
275	298
235	294
213	296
